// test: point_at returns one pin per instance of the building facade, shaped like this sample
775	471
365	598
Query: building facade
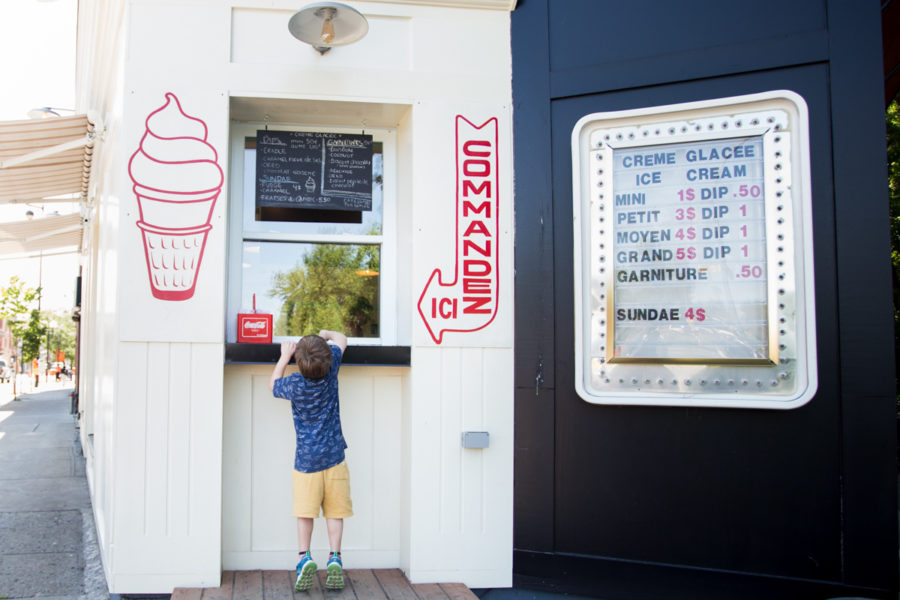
527	398
189	456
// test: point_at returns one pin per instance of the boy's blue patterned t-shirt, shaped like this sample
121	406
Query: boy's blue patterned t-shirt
317	417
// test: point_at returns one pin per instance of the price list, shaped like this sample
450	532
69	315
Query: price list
689	251
305	169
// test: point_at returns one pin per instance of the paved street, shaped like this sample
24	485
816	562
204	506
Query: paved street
47	540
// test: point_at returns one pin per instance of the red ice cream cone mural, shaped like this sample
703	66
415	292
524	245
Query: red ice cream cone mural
177	180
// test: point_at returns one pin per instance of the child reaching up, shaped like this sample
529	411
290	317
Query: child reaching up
321	477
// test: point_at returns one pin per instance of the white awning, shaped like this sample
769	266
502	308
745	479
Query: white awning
43	158
41	234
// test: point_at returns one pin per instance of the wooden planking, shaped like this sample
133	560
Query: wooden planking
272	445
424	410
187	593
394	584
457	591
156	448
345	594
426	591
386	498
365	584
223	592
236	456
259	434
359	584
278	585
358	408
316	592
179	440
248	585
206	446
129	443
497	473
450	486
472	493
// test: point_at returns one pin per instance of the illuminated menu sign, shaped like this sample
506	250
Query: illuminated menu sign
690	251
693	254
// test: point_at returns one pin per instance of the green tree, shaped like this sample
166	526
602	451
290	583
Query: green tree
335	287
893	155
33	336
16	301
60	333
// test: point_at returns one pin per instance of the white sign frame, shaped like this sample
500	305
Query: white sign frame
784	376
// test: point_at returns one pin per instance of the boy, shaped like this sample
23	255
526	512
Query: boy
321	478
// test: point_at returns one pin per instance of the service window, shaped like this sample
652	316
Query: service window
311	230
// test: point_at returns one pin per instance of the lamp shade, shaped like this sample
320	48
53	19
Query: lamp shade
326	24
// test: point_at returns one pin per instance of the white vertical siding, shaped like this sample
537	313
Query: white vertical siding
182	441
168	467
461	517
259	531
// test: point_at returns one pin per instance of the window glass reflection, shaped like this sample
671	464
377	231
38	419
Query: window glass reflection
308	287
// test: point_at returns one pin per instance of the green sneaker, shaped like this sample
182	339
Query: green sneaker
306	572
335	572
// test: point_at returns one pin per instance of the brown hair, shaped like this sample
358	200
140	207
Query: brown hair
313	357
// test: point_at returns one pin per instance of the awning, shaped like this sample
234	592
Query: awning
41	234
42	158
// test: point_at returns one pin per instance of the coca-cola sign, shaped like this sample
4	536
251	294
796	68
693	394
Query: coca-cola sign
255	328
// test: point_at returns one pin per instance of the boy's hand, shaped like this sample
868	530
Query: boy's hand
338	338
287	350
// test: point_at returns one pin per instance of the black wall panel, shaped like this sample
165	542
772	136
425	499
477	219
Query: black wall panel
679	502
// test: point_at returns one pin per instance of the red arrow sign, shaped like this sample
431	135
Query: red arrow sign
469	302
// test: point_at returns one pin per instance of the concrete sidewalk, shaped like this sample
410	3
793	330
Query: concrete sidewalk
48	543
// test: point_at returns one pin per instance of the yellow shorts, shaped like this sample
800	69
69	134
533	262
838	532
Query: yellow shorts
328	490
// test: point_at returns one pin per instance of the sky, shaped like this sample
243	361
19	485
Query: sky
37	68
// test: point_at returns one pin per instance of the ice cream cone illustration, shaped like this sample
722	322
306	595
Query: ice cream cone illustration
177	180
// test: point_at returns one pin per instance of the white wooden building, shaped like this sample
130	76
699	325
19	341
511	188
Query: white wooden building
189	455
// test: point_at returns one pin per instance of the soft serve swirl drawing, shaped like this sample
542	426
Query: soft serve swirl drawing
177	180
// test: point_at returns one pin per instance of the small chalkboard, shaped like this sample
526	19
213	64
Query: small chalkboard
305	169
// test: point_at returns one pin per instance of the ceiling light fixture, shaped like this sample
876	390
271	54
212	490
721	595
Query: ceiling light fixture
326	24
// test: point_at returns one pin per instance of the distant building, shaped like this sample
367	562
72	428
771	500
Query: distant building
7	342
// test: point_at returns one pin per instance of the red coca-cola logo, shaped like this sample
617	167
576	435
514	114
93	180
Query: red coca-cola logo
251	327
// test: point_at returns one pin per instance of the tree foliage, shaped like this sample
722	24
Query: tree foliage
60	333
335	287
24	321
893	157
33	336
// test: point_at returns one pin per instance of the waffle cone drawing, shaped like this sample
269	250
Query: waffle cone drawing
177	180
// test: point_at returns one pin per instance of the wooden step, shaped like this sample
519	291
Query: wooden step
359	584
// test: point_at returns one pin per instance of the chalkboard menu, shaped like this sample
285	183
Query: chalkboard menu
305	169
689	251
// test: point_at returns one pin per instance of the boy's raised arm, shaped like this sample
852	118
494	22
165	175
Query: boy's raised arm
339	339
287	351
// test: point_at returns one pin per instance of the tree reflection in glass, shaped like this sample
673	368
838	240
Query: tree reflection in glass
334	286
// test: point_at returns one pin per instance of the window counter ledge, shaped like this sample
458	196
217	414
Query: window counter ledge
384	356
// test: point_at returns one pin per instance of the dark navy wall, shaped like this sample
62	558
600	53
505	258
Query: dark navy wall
643	502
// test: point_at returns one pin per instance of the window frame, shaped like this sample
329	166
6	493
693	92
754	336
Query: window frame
238	234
